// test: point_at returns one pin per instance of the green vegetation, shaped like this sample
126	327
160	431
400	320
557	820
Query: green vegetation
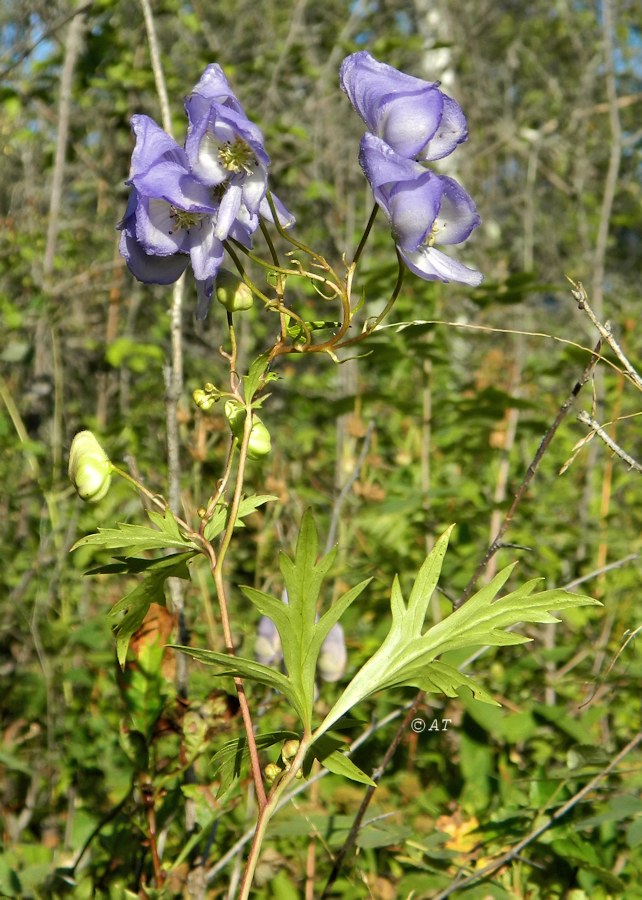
125	768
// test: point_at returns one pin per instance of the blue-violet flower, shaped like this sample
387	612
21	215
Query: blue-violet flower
412	116
423	208
185	202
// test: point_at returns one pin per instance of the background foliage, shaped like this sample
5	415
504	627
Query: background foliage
449	415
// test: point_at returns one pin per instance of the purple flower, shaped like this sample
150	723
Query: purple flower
423	209
185	202
226	148
170	213
412	116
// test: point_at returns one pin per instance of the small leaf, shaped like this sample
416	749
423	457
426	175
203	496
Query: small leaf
150	590
136	538
340	764
256	374
233	756
328	750
216	524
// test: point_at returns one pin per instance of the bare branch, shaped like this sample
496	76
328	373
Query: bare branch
585	419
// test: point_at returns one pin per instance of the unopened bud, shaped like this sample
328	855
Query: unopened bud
203	399
232	292
272	772
259	444
89	467
290	750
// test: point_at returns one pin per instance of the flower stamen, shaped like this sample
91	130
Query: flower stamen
237	157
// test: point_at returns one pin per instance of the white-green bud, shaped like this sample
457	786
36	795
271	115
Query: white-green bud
203	399
89	467
259	444
289	750
272	772
232	292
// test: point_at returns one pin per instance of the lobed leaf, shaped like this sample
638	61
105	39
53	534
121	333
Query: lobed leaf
134	539
408	656
150	590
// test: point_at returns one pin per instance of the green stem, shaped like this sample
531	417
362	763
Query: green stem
217	561
266	813
382	315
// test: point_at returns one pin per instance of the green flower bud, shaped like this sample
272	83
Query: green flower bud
260	443
290	750
235	415
89	467
272	772
232	292
203	399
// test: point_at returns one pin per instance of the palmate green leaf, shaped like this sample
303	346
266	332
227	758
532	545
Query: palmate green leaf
133	539
135	604
301	635
409	657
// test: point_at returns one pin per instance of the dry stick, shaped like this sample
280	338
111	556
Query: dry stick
365	803
530	474
615	155
585	419
579	293
537	832
173	376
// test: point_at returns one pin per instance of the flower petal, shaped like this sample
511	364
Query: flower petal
174	184
433	265
458	214
451	131
413	116
151	269
152	145
412	209
286	218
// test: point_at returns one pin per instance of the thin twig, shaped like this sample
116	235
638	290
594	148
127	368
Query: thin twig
157	68
26	49
530	474
345	490
604	329
585	419
550	821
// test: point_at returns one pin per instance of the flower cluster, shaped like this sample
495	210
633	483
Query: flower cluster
410	123
186	201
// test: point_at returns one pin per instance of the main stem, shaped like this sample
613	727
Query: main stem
265	814
217	561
